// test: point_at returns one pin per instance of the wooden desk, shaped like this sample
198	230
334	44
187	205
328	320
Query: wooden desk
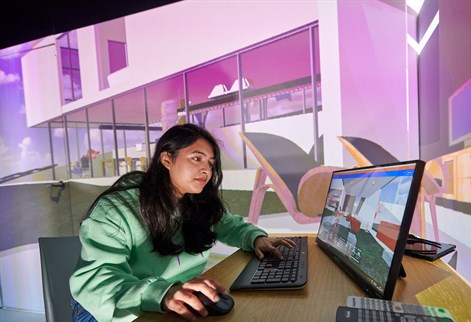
427	283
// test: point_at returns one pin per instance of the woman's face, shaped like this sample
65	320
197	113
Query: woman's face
191	170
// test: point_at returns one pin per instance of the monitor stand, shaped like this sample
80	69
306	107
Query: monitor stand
402	272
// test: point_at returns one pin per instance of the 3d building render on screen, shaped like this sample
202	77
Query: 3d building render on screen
363	215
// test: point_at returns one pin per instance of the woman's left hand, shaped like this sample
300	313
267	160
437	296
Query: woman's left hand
268	245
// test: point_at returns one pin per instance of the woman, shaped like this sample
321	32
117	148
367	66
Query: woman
146	240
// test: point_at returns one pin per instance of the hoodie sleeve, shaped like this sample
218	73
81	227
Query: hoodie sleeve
103	282
234	231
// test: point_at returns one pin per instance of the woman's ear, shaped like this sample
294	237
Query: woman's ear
166	160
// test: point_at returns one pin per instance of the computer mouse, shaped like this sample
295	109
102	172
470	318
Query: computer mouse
221	307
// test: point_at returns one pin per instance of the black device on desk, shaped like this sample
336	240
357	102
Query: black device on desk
366	221
427	249
273	273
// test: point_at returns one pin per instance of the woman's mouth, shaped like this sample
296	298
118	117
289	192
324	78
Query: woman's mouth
201	180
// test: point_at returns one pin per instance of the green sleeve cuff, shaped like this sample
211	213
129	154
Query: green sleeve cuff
254	236
154	294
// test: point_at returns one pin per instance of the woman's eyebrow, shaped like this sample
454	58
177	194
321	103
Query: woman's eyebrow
202	153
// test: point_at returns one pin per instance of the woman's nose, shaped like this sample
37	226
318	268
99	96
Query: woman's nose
206	168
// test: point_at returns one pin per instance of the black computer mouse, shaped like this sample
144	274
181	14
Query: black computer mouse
221	307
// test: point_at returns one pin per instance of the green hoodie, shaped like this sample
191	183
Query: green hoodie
118	277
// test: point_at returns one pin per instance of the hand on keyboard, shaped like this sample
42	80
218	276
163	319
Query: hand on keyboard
273	269
270	245
285	268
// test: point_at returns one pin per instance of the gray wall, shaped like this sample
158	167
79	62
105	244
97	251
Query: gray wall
30	211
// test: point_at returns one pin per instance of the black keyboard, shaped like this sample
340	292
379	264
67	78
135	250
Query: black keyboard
273	273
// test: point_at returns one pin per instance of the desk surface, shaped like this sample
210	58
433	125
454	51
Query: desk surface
427	283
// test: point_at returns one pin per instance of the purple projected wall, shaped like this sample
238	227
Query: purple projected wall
459	114
444	69
372	46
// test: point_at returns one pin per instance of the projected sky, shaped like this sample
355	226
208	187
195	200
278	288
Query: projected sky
21	148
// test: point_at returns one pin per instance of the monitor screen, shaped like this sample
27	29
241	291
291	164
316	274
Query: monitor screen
366	221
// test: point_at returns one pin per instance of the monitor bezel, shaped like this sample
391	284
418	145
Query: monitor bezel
396	268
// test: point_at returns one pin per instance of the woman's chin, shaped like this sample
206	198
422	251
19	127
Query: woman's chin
195	191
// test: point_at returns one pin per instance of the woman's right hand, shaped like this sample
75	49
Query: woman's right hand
179	295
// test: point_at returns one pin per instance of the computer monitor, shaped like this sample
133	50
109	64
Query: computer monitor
366	221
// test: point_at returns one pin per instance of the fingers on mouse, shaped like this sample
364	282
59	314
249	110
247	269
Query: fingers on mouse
221	307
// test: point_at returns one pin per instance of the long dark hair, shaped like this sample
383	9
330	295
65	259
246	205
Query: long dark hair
163	214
